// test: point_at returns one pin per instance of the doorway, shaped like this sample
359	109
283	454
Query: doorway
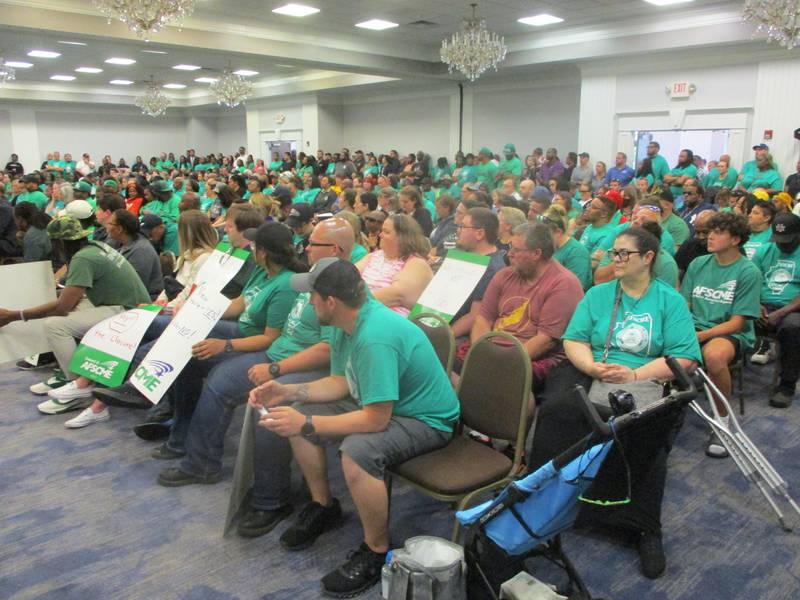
707	143
281	146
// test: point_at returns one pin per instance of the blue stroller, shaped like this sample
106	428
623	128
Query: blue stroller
526	519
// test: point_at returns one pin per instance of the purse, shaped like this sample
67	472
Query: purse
427	568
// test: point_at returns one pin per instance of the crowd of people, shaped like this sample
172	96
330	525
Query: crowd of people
600	272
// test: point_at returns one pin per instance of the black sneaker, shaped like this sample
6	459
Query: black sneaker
164	452
37	361
313	521
714	447
124	396
651	555
361	571
258	522
177	478
782	398
152	432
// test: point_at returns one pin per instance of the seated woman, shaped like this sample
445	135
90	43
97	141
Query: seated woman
32	232
397	273
620	332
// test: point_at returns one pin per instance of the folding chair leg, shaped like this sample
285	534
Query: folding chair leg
741	388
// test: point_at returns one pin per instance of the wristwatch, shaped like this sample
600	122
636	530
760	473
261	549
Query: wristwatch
275	370
228	346
307	430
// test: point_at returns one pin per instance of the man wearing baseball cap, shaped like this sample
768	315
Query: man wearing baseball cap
111	286
750	168
32	192
486	169
511	166
300	221
387	399
779	262
166	205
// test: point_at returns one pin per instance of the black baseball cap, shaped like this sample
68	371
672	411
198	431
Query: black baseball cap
330	276
301	213
584	155
149	222
785	228
281	192
271	236
761	146
30	179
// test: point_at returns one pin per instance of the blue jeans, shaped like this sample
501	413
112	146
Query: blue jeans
226	387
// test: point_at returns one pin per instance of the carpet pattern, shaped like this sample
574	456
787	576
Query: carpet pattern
82	518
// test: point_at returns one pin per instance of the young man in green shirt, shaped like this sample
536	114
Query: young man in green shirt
676	226
722	290
760	221
600	233
32	192
486	169
387	400
658	163
510	167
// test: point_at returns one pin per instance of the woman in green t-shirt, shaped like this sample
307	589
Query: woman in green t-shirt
620	332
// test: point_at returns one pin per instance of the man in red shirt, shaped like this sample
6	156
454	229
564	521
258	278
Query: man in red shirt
533	299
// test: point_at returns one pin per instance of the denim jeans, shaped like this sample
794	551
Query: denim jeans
226	387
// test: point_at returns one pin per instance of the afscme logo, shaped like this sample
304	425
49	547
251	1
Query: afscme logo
712	295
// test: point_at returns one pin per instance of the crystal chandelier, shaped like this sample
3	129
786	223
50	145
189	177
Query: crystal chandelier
6	73
473	49
231	89
780	19
145	17
153	102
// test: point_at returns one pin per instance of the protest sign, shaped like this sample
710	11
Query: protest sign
453	284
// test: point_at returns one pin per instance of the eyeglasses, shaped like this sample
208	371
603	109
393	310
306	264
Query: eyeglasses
321	245
467	227
513	250
688	193
622	255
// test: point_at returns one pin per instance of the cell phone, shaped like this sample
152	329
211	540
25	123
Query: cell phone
263	411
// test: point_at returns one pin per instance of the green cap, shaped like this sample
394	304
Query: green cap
83	186
66	228
111	183
485	151
509	148
161	186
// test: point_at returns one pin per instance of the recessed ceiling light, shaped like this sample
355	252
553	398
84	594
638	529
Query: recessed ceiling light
153	51
187	67
245	73
44	54
121	82
71	43
666	2
539	20
19	64
174	86
88	70
120	61
206	79
62	78
376	24
295	10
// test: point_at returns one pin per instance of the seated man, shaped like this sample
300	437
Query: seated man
600	232
779	262
533	299
696	245
111	286
301	353
760	221
693	202
722	291
387	400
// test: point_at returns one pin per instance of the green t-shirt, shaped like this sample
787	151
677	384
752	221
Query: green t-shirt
358	253
303	170
689	171
756	241
510	168
35	197
276	165
164	165
781	273
598	238
267	302
677	228
109	279
660	167
389	359
769	180
657	324
749	169
713	179
468	174
301	330
438	172
715	293
486	173
574	256
310	195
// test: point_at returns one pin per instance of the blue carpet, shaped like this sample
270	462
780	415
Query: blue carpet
82	518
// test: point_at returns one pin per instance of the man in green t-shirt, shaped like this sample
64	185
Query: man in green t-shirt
779	261
676	226
486	169
111	286
682	172
387	400
32	192
658	163
600	233
510	167
722	290
760	221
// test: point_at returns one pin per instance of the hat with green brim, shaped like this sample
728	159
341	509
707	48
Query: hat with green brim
161	186
111	183
485	151
509	148
83	186
66	228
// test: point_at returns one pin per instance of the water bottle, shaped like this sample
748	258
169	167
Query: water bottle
386	573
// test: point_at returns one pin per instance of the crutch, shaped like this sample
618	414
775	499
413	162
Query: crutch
747	457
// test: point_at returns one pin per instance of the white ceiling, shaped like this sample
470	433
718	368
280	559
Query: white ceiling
326	51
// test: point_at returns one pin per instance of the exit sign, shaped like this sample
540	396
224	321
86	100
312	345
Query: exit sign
680	89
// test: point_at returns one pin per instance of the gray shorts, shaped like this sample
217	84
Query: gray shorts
403	439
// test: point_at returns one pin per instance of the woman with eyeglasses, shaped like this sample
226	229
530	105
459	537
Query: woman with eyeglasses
621	332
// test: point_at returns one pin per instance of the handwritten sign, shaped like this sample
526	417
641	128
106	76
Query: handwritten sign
222	266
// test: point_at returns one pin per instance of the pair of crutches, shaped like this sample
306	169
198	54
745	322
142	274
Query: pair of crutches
747	457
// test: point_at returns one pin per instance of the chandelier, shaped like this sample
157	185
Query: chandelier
780	19
6	73
153	102
473	49
231	89
145	17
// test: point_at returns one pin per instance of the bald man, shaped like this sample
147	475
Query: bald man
697	245
299	355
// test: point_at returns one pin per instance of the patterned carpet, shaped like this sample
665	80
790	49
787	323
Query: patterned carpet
82	518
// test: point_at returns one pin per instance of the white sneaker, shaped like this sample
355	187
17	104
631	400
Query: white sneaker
71	391
56	381
52	406
87	417
763	354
